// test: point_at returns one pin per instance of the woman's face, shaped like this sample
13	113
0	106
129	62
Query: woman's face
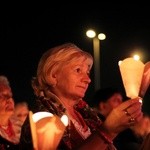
6	101
21	111
73	79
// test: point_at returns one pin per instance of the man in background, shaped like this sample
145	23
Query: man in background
105	100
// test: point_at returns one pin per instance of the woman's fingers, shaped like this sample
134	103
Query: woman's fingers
125	105
133	111
124	116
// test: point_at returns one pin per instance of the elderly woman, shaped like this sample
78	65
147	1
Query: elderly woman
63	76
10	127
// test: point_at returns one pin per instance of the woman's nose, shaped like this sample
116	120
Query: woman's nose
86	79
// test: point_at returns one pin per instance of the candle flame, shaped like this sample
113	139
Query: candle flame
65	120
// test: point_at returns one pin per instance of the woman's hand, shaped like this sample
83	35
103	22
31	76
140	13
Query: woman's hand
125	115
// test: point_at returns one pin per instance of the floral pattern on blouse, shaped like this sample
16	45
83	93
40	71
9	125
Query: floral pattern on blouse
71	138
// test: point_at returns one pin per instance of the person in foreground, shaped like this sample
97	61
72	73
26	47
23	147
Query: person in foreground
63	76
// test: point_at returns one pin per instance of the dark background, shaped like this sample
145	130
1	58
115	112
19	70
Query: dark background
28	30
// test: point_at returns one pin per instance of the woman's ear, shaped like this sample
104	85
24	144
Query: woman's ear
53	79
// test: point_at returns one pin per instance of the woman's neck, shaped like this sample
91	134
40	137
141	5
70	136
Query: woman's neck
68	104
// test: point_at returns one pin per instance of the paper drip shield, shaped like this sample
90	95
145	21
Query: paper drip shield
131	72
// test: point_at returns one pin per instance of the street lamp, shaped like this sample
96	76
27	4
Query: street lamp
96	49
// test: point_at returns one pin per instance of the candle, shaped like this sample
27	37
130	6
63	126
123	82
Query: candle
48	130
131	72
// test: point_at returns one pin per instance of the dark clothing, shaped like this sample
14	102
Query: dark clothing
101	116
6	145
127	140
146	143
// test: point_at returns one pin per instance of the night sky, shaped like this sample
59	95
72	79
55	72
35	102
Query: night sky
27	31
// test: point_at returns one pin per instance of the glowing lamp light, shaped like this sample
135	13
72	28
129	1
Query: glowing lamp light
101	36
90	33
96	51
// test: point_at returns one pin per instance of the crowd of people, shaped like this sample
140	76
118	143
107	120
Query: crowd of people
60	84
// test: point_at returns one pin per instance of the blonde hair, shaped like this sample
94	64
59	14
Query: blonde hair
53	60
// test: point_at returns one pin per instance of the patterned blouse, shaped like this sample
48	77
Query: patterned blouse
74	134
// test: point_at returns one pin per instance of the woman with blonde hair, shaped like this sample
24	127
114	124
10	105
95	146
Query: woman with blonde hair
63	76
